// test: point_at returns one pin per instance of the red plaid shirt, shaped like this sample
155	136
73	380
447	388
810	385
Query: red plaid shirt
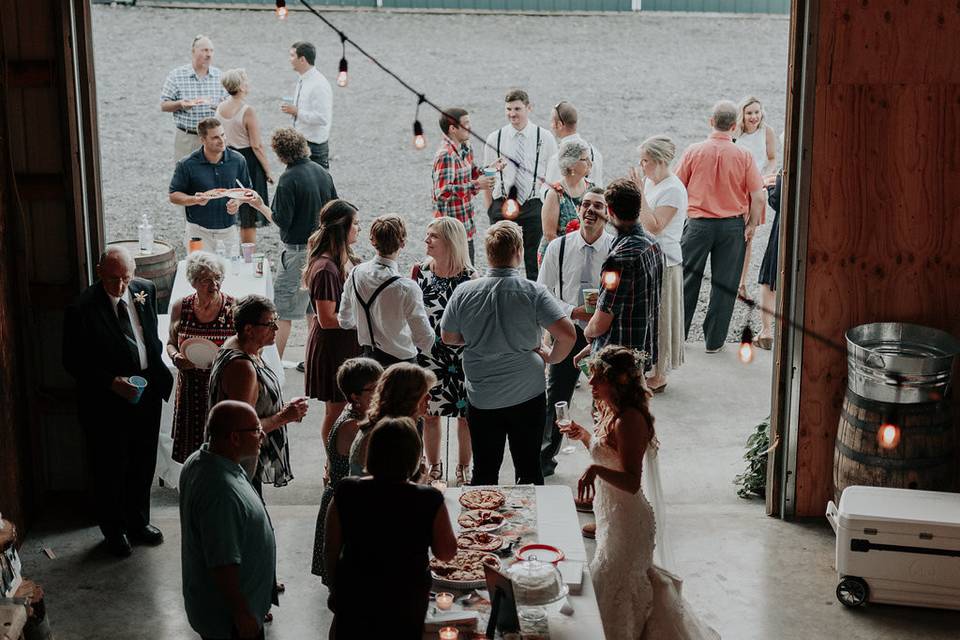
453	186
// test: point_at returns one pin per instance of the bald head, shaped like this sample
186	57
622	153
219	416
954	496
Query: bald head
724	116
115	270
228	416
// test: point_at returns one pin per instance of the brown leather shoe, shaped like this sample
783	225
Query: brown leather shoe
590	530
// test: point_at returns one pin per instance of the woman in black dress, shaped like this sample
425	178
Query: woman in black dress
378	532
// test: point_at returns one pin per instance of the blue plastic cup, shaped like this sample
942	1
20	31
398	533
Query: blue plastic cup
140	383
487	171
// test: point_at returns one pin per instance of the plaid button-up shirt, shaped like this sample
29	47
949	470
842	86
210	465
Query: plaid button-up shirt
633	297
453	186
183	84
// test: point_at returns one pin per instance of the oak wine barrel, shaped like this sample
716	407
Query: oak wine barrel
922	458
158	266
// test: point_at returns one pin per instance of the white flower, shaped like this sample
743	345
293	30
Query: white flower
141	297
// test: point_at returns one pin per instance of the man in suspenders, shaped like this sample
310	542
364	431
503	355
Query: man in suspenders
526	147
571	264
386	309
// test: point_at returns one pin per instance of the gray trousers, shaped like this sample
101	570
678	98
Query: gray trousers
561	383
722	240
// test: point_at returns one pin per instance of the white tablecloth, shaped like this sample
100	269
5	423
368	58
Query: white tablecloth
237	285
557	524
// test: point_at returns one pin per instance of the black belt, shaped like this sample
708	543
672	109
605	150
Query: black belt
192	132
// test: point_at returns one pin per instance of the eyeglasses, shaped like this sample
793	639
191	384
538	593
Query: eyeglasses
592	204
586	160
259	431
210	280
556	108
271	325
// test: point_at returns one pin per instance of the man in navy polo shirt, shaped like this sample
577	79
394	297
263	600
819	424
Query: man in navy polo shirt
211	166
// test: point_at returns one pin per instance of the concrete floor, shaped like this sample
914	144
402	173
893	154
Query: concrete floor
749	576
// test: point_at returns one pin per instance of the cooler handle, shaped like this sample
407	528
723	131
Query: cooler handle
832	515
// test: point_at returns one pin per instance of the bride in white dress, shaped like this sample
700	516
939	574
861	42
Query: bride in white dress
637	600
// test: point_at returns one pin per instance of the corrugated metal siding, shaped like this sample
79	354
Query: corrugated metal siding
723	6
497	5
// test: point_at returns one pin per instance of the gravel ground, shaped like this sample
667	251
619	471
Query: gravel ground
630	76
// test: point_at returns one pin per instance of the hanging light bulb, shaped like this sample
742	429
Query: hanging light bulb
419	141
342	74
281	9
610	279
745	352
511	206
888	435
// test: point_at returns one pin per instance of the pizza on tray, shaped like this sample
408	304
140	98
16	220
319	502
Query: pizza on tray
466	566
482	499
480	519
479	541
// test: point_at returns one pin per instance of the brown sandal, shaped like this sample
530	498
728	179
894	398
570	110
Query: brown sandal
763	343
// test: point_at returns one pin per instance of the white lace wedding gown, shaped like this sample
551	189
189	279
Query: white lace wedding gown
637	600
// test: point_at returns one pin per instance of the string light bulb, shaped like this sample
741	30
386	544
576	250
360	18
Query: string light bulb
342	73
511	206
888	435
419	141
745	352
281	9
610	279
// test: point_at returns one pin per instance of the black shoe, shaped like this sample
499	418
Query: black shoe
148	535
119	545
301	368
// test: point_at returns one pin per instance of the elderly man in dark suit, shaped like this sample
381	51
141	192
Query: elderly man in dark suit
110	334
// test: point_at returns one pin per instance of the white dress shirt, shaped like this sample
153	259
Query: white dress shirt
401	325
134	312
553	165
524	179
314	101
573	264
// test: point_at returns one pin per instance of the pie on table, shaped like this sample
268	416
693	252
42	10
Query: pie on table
466	566
482	499
479	541
480	518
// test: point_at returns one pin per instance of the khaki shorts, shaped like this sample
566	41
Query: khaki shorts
184	144
291	299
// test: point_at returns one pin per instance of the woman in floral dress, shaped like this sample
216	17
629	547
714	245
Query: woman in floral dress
208	314
446	266
563	198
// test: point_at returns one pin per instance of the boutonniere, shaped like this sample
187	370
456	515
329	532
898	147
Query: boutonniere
573	225
140	298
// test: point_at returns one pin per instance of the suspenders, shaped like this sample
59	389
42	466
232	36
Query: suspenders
536	162
563	246
367	304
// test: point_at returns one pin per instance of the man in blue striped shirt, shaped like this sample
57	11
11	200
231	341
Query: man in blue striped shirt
191	93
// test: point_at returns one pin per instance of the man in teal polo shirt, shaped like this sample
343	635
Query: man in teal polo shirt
228	551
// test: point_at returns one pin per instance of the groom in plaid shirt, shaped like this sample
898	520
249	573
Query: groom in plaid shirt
455	178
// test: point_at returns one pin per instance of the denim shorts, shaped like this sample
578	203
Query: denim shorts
292	301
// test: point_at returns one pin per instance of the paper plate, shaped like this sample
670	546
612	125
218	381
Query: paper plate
200	351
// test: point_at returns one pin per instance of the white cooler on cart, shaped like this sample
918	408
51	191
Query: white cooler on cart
897	546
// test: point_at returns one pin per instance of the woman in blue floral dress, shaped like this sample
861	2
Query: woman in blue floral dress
446	266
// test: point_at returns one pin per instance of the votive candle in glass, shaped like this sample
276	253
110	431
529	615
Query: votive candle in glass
449	633
444	600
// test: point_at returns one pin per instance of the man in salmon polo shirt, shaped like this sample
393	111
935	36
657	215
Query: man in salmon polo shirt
726	199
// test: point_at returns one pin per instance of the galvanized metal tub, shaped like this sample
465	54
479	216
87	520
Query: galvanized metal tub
900	363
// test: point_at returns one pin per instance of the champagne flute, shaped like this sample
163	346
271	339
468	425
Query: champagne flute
563	421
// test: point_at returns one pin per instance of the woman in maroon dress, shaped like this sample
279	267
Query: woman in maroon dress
208	313
329	260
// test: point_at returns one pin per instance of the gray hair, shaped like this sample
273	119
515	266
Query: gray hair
570	152
117	253
200	263
724	115
660	149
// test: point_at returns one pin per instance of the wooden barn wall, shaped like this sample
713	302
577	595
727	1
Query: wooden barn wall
884	219
51	188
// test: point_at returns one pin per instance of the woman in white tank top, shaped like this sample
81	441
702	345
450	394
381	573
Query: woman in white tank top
760	140
242	132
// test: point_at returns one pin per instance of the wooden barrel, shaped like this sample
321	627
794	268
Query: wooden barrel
159	266
922	458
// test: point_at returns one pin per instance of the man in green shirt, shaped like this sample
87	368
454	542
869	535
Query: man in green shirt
228	550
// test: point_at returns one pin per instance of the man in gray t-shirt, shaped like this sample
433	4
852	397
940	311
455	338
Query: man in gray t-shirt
499	319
